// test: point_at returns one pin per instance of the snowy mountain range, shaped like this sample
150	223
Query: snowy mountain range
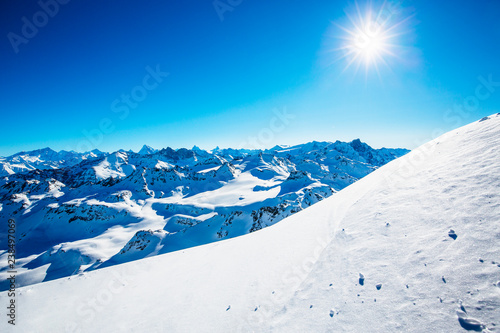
43	159
76	212
412	247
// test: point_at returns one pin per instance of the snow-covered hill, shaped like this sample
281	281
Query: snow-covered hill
42	159
109	209
412	247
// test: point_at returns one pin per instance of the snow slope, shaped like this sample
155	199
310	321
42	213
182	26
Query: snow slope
413	247
124	206
41	159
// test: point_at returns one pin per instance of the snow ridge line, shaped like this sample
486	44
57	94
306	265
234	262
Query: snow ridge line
275	305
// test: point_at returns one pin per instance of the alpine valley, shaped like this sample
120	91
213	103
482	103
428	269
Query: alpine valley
411	247
77	212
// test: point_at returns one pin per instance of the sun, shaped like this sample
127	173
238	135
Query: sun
369	42
371	37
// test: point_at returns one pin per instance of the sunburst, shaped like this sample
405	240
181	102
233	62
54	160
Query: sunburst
371	37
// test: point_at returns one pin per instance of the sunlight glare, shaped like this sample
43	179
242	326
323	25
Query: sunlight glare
370	38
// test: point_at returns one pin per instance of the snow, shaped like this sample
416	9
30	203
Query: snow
115	207
114	166
163	165
303	274
229	194
147	150
42	159
209	169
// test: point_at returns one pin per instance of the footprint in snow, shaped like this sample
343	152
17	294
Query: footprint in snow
470	324
452	234
361	279
229	307
378	286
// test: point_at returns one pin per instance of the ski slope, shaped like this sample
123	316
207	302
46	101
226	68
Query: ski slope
413	247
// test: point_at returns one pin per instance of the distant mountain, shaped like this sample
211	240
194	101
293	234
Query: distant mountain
79	212
42	159
146	150
412	247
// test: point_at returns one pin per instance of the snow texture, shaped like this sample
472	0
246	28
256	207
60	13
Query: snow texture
302	274
97	209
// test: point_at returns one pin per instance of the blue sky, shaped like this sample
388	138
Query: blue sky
247	73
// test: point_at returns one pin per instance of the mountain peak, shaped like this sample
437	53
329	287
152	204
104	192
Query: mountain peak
147	150
43	151
47	149
359	146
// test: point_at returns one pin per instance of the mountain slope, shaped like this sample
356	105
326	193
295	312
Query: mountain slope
423	238
146	150
111	209
411	247
42	159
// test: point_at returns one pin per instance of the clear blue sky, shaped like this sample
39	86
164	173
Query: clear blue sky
227	76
